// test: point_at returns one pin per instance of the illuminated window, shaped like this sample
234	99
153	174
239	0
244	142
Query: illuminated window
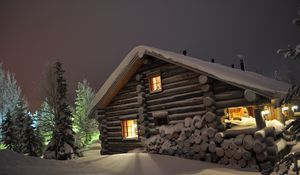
155	83
129	129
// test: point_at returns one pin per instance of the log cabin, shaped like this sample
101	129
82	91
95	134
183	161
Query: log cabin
173	104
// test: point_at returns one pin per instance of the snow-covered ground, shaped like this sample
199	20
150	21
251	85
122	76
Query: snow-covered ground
121	164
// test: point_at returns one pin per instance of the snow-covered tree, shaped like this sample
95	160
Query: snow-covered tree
45	121
30	139
83	126
8	138
10	92
62	144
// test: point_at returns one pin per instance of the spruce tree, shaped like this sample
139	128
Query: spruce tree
19	116
62	144
8	137
31	142
45	121
84	127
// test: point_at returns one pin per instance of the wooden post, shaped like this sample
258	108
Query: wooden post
260	121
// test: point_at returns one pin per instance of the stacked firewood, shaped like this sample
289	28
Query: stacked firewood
194	139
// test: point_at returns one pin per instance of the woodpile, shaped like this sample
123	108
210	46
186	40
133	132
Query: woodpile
192	140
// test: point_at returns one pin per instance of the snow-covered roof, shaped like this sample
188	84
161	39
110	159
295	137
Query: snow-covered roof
248	80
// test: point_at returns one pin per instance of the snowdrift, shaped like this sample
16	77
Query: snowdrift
125	164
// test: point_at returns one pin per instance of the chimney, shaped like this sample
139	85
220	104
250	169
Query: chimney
242	64
232	65
184	52
212	60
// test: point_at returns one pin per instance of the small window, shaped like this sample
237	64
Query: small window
155	83
129	129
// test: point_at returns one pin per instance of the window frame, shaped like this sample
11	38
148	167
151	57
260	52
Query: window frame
150	82
123	131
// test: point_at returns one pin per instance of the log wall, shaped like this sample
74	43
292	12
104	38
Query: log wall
194	104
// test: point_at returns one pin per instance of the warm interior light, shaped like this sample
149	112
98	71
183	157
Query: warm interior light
155	83
129	129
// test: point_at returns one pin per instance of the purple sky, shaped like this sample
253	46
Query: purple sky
92	37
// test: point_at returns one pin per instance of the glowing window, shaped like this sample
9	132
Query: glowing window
155	83
129	129
237	113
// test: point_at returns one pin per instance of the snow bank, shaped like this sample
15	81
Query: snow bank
123	164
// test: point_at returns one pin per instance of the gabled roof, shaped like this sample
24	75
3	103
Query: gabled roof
244	79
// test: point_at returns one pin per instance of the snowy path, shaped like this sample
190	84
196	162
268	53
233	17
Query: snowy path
122	164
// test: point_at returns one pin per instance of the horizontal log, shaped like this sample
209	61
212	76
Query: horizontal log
124	101
179	77
112	108
113	123
109	134
122	112
176	97
126	90
185	102
120	117
114	128
229	95
223	88
124	96
231	103
173	91
185	82
185	109
184	115
235	132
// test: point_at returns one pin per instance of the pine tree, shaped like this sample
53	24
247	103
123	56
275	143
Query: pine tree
45	121
62	144
84	127
8	137
10	92
31	142
19	116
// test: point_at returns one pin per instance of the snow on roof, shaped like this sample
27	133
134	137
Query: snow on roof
244	79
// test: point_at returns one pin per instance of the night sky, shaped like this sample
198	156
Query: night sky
92	37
